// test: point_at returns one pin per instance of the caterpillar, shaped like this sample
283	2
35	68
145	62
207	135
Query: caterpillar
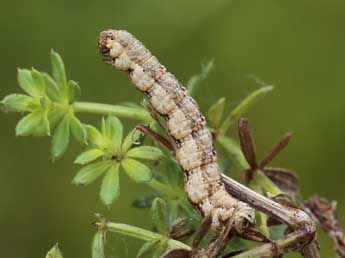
186	126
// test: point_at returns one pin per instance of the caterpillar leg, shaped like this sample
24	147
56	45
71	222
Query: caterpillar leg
214	248
217	246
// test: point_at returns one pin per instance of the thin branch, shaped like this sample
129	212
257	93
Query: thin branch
247	143
326	214
140	233
117	110
156	136
295	218
276	149
275	248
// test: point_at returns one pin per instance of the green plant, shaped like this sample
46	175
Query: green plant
51	104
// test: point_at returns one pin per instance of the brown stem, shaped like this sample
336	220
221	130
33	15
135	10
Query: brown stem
297	219
156	136
326	214
276	149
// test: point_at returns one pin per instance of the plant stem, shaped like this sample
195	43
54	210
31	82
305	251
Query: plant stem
294	217
142	234
270	249
248	102
267	185
261	218
117	110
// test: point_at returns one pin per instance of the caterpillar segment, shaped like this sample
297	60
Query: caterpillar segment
194	151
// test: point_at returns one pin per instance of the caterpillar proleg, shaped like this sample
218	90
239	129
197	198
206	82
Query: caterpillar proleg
186	126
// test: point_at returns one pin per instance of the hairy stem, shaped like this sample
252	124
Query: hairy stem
143	234
117	110
295	218
267	185
273	249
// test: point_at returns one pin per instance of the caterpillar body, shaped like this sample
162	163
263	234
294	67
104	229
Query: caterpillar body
186	126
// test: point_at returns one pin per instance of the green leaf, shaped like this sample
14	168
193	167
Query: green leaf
148	249
98	244
78	130
91	172
34	123
103	126
128	141
52	89
18	103
261	222
94	136
59	72
45	123
61	138
196	80
26	82
160	216
54	252
110	188
277	232
74	91
162	247
238	243
145	152
215	113
136	170
38	80
113	131
55	115
44	103
243	107
88	156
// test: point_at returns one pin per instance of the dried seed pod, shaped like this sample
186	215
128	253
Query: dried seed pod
184	124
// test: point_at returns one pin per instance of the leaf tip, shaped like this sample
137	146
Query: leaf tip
268	88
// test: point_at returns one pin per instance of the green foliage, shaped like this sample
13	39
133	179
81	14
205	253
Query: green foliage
196	80
148	249
48	102
110	188
54	252
108	154
160	216
51	104
243	107
215	113
97	246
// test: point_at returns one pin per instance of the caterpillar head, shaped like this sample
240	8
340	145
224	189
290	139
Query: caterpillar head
105	42
112	42
112	45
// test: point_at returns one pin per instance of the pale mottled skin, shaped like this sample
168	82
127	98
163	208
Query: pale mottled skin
185	124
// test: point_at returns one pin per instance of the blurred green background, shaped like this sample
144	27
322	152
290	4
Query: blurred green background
296	45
